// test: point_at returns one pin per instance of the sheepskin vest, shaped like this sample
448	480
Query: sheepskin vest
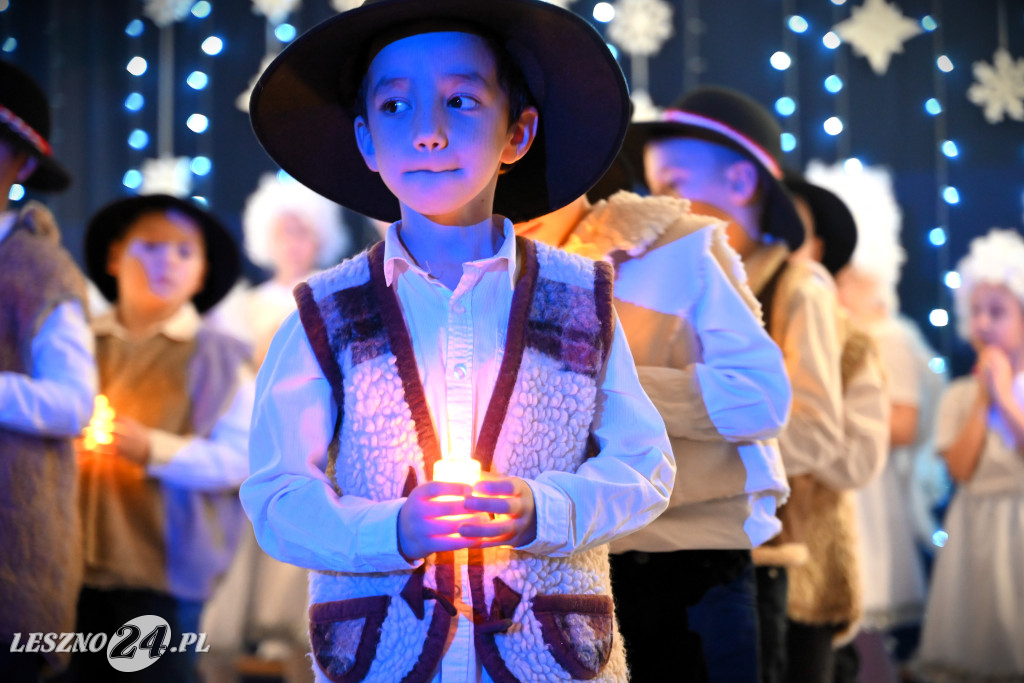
40	535
535	618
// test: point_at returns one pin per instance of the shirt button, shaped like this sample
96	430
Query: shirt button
460	371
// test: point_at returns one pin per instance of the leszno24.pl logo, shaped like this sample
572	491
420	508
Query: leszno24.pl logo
137	644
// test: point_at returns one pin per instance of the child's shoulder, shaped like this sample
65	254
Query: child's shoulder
571	269
351	272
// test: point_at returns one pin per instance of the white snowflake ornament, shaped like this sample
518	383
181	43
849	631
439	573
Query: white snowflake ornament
999	87
644	108
167	175
242	101
166	12
275	10
345	5
641	27
877	31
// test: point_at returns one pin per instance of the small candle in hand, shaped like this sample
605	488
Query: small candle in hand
100	430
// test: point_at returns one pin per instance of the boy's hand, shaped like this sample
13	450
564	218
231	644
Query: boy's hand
430	518
131	440
511	500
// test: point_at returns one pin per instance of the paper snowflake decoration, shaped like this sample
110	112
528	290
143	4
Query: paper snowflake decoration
275	10
345	5
242	101
644	108
167	175
877	31
999	87
166	12
564	4
641	27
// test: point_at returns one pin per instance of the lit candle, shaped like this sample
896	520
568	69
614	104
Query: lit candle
100	430
457	470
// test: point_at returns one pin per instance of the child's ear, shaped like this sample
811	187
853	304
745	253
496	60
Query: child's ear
365	143
523	131
743	180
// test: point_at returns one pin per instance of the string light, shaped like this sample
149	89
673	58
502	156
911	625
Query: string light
785	106
285	33
198	123
137	66
213	45
201	165
797	24
132	179
939	317
134	102
604	12
937	236
10	45
780	61
952	279
17	192
831	40
833	125
135	28
201	9
197	80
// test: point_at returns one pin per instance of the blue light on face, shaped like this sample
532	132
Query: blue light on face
285	33
788	142
932	106
132	179
950	195
134	102
833	84
16	193
937	236
201	9
950	149
201	166
135	28
797	24
138	139
785	106
197	80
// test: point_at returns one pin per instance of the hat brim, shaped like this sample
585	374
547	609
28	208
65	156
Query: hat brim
780	219
833	222
49	176
223	263
301	112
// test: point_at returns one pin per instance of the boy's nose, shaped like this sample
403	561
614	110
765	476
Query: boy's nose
429	132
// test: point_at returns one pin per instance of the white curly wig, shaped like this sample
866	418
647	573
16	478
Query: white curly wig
867	191
274	197
996	259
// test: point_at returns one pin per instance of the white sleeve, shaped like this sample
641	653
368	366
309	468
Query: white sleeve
56	398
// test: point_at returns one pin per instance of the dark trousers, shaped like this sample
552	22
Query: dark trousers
726	620
19	667
105	611
653	592
772	591
811	656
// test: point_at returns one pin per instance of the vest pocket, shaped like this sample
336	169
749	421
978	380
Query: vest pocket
578	629
345	634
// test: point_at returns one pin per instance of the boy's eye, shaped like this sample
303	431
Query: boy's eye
463	102
393	106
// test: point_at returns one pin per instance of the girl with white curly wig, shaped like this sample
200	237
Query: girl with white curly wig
974	624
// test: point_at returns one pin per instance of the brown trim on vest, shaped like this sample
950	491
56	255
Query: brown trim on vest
405	360
604	279
483	637
372	610
316	331
515	344
440	621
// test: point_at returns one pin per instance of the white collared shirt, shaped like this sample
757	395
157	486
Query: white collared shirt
200	463
458	338
55	398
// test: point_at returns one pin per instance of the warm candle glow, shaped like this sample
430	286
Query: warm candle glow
457	471
100	429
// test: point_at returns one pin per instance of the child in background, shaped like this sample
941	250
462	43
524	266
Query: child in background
159	503
719	382
452	341
47	384
291	232
973	624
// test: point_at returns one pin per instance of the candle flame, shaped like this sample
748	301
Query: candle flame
100	430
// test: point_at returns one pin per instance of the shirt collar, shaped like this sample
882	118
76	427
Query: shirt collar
182	326
398	260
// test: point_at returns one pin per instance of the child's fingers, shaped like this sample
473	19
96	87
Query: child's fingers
503	486
499	505
433	489
498	528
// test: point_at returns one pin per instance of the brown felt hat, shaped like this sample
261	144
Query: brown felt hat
301	107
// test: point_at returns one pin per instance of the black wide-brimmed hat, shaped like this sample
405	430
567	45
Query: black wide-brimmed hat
25	121
112	222
301	107
734	120
833	221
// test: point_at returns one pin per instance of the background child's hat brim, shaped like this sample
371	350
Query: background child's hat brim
223	264
301	113
833	221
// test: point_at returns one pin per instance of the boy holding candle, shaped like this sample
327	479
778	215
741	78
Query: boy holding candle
452	339
47	384
159	501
